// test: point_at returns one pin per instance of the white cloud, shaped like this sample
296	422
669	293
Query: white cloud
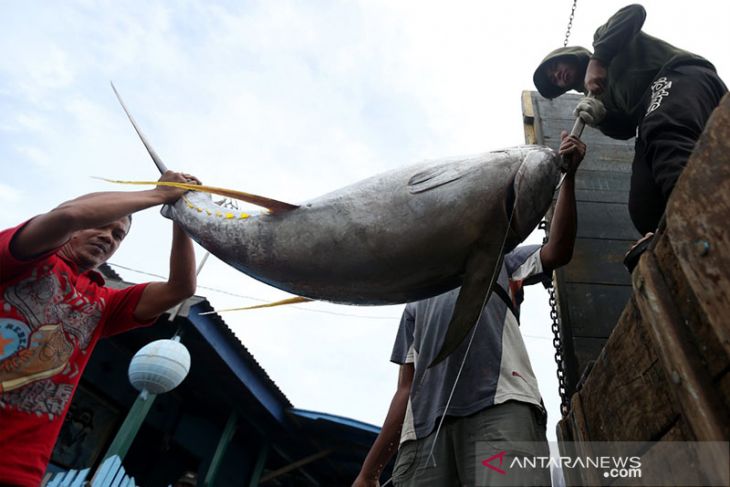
35	155
8	194
31	122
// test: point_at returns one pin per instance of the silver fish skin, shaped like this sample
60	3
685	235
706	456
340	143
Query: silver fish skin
404	235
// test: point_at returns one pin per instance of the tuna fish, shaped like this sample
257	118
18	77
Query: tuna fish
404	235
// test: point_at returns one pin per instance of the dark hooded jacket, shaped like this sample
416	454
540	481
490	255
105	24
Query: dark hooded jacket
633	60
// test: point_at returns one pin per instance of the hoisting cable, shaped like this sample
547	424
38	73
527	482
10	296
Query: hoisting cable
577	130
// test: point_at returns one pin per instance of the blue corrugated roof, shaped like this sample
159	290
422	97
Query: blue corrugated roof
352	423
239	359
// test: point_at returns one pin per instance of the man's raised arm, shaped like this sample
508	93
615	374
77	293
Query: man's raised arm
51	230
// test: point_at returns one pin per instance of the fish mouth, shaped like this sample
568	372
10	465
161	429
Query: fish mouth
510	199
531	190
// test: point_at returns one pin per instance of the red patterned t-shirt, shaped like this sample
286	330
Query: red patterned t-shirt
50	320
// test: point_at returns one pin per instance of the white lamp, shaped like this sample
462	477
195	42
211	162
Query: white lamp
159	366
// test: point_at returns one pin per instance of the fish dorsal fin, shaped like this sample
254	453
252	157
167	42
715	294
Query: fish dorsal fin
274	206
437	176
482	271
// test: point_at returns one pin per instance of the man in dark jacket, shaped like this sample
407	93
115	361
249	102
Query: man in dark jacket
650	89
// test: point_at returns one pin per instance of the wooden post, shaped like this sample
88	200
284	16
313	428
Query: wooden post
220	450
296	465
260	464
128	431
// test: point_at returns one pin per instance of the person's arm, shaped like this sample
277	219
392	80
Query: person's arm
386	444
559	248
608	40
158	297
51	230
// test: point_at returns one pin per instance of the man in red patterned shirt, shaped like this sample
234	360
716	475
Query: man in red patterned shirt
54	307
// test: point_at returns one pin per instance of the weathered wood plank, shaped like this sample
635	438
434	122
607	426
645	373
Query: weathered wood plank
623	149
581	445
563	430
585	351
601	180
697	223
590	308
601	196
580	428
723	387
691	386
597	261
615	396
608	157
713	355
528	118
605	221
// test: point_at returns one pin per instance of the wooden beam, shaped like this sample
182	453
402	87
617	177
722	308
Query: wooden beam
293	466
528	118
220	450
131	425
258	469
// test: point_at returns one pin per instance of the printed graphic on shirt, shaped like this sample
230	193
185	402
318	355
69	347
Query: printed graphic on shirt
45	320
659	90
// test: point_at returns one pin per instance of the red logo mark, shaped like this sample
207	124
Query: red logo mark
500	455
517	374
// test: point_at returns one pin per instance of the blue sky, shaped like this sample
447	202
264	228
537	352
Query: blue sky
291	100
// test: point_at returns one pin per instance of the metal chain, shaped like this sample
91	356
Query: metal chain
557	342
570	23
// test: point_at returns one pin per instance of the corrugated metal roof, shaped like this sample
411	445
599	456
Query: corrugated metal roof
114	280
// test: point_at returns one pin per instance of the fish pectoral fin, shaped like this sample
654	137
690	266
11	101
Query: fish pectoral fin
482	270
433	178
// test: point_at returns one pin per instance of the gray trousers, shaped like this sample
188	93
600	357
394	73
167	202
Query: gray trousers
464	443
